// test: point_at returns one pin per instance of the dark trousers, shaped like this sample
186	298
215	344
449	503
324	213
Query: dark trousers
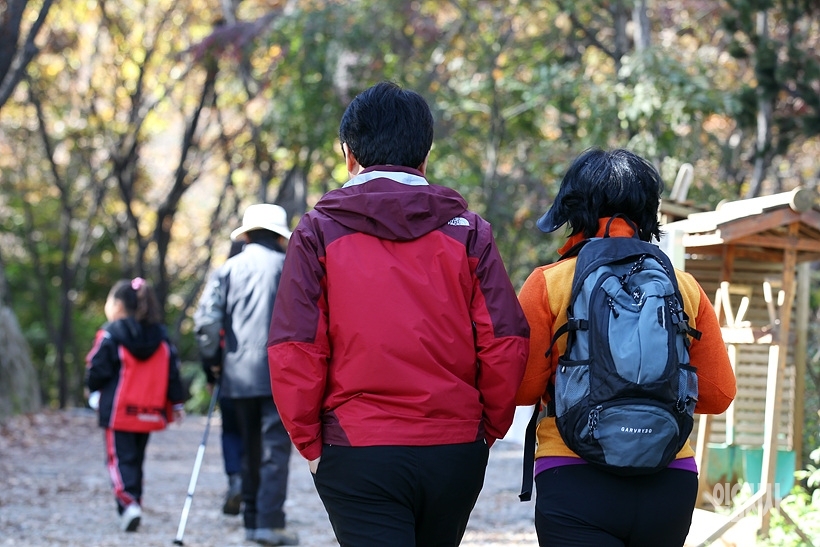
581	506
125	456
265	461
231	437
402	496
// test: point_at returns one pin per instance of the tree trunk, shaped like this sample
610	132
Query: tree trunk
765	109
640	21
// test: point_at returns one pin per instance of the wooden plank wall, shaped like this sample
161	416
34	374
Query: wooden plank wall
748	411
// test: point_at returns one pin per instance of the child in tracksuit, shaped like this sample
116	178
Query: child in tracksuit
134	367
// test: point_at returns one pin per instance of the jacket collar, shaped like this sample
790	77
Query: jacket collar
403	175
618	228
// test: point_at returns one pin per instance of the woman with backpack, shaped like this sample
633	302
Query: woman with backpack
134	367
621	492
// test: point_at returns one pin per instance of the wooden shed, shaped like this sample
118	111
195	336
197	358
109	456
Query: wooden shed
752	257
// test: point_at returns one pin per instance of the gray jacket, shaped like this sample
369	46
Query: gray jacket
237	305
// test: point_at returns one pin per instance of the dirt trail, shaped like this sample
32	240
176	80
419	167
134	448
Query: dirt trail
54	491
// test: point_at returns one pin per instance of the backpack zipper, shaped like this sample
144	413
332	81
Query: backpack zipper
592	420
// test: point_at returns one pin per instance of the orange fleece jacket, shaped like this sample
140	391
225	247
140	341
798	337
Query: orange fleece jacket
545	298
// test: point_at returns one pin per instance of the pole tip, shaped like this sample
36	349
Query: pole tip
178	542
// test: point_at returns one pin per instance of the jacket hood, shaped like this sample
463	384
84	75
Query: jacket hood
141	339
392	203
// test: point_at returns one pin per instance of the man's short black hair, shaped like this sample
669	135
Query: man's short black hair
601	184
388	125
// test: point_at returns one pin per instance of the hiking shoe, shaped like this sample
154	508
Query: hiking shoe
250	534
233	498
275	536
130	519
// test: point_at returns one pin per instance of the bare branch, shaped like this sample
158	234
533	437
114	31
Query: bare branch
590	35
24	56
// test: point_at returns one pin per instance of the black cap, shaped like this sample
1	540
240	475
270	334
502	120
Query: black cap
548	223
552	219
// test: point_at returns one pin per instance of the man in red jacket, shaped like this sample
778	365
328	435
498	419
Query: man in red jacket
397	341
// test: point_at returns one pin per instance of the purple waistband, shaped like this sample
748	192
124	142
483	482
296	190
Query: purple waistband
548	462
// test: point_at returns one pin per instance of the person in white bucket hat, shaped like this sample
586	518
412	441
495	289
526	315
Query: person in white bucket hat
235	310
263	216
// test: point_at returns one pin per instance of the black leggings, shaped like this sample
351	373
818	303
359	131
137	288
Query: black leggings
579	506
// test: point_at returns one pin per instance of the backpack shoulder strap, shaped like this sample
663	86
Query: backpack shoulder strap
529	455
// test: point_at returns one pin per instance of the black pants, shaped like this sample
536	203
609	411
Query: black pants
402	496
265	460
231	437
581	506
125	456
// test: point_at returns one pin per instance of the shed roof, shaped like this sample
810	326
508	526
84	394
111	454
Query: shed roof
757	228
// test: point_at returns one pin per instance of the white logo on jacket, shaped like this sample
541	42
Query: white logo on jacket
459	221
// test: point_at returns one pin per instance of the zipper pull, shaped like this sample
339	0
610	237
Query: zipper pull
611	303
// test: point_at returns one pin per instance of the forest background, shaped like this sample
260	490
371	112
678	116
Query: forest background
134	133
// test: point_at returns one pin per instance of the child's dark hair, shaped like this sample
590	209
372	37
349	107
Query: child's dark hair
386	124
139	299
600	184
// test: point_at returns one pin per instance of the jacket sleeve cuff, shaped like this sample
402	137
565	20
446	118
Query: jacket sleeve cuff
312	450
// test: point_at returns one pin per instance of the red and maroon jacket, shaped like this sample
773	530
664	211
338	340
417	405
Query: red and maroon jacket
395	322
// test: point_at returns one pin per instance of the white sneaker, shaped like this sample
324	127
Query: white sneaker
131	518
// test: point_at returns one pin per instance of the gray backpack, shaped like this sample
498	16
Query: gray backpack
624	393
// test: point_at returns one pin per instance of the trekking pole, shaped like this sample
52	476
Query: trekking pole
183	519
